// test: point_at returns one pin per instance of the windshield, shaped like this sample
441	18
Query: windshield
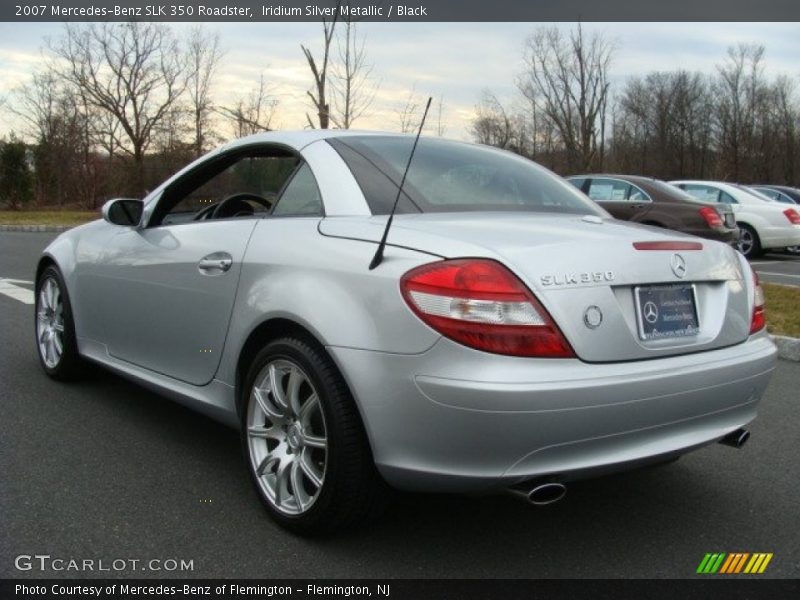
673	190
447	176
754	192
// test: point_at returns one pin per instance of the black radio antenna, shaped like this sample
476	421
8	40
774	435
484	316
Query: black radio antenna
378	258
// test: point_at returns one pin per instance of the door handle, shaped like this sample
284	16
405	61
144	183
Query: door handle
215	264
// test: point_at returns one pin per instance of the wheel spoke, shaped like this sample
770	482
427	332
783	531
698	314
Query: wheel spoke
293	390
282	482
275	387
44	300
309	470
308	409
48	344
265	405
314	441
297	485
271	433
58	327
264	466
51	293
59	348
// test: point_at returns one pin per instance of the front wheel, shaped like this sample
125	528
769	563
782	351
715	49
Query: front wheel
55	328
748	243
304	442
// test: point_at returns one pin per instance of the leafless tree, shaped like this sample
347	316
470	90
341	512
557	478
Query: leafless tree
203	56
567	78
251	113
492	124
408	115
319	71
353	88
59	126
441	125
131	70
740	94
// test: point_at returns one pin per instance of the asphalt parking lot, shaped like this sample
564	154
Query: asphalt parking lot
103	469
778	268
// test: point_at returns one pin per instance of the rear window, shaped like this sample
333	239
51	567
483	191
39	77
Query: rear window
447	176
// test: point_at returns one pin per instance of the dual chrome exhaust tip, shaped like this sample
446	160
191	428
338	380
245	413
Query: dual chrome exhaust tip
542	493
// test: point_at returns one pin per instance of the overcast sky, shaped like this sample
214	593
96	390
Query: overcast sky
452	60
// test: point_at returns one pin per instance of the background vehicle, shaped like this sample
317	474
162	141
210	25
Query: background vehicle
763	225
653	202
514	336
779	193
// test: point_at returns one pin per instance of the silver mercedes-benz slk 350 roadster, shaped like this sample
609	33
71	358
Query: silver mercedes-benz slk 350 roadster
514	336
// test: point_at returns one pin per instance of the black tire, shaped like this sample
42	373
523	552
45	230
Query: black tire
70	365
352	492
754	250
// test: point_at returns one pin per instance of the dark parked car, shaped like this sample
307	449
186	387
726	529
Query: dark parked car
779	193
654	202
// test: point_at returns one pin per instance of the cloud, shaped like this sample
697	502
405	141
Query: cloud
452	60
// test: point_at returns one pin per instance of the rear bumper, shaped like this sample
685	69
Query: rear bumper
455	419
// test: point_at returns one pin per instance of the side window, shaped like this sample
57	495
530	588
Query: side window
772	194
608	190
577	182
726	198
637	195
249	185
702	192
301	197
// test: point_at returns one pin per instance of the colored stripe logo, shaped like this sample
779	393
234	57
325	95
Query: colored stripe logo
734	563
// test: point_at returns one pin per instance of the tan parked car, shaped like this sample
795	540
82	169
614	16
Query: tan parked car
654	202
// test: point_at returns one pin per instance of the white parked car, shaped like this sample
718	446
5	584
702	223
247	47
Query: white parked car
763	225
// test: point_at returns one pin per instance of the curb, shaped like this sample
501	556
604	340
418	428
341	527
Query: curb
788	347
36	228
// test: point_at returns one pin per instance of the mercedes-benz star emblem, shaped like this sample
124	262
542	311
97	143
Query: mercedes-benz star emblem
592	317
650	312
678	264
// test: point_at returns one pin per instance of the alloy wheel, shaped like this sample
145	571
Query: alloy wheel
287	437
50	323
745	242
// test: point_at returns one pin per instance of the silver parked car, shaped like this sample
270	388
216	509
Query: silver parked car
514	336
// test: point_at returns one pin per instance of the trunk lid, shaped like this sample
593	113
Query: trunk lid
576	264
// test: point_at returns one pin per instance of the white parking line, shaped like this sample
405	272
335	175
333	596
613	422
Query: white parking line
7	288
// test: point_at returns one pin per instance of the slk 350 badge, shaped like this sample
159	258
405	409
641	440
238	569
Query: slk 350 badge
577	278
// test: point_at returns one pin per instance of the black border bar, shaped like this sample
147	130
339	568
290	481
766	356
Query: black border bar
710	588
390	10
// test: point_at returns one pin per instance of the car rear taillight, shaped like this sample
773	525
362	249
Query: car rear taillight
792	215
759	319
483	305
711	216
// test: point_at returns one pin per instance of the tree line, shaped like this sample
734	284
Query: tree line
734	124
117	107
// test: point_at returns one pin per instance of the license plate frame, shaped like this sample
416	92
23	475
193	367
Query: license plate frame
668	300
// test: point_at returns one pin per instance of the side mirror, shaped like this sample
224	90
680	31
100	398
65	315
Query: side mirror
123	211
